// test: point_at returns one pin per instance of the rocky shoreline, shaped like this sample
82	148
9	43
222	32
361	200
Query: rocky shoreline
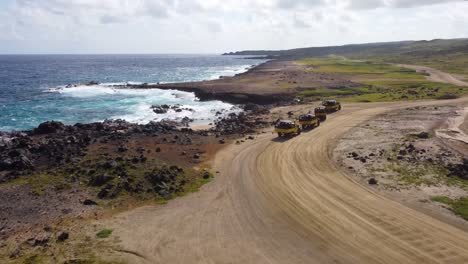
62	171
276	82
210	94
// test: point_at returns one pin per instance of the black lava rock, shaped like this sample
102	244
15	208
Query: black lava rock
49	127
62	236
423	135
100	180
372	181
89	202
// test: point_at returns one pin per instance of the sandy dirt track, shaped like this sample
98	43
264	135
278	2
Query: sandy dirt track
285	201
436	75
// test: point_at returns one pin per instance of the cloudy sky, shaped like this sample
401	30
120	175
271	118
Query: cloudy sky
214	26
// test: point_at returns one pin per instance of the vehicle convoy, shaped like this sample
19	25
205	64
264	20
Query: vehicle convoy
321	113
309	121
332	105
287	128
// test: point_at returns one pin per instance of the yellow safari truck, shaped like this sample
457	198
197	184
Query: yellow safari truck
287	128
309	121
321	113
332	105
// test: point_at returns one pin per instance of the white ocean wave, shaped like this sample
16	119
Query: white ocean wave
136	103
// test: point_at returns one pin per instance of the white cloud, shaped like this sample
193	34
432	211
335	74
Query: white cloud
144	26
288	4
365	4
108	19
371	4
300	23
413	3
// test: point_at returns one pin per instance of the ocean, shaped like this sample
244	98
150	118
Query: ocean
33	88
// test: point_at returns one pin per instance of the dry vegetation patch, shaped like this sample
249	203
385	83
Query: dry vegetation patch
399	154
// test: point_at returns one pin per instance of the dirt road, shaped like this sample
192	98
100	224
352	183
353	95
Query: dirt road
452	128
285	201
436	75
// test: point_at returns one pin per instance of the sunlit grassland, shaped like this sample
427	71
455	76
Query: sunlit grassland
458	206
360	69
382	91
456	63
379	82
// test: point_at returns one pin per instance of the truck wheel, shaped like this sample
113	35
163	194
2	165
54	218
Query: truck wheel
318	123
299	131
279	134
339	107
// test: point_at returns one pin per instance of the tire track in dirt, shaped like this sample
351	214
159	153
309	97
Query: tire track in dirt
436	75
451	129
286	201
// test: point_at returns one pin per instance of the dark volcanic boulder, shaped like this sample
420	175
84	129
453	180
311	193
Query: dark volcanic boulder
5	164
22	162
163	126
49	127
62	236
18	159
423	135
186	121
104	193
251	107
160	109
91	83
5	142
100	180
372	181
459	170
89	202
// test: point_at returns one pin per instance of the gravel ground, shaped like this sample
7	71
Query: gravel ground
403	152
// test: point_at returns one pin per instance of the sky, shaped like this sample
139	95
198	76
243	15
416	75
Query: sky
216	26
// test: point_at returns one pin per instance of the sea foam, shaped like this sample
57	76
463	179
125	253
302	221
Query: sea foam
26	100
134	105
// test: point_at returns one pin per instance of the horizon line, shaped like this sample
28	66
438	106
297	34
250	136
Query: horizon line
221	53
39	54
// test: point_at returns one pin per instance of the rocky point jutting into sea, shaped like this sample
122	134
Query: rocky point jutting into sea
91	88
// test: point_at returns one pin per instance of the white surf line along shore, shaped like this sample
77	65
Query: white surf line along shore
451	129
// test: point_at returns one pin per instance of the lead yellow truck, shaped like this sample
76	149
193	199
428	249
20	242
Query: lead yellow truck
331	105
309	121
287	128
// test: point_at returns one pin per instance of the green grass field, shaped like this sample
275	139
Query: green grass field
458	206
360	69
383	91
452	63
380	82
